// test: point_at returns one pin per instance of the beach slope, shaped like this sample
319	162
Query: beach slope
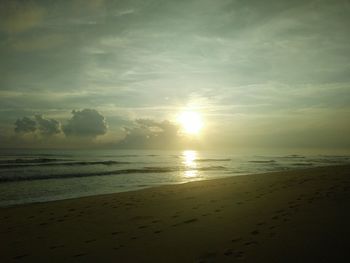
293	216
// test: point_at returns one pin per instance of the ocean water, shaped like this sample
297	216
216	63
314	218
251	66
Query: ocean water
38	176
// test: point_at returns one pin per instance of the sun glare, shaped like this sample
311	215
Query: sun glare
189	158
191	122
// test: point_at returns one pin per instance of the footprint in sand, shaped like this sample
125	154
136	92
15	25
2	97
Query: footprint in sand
236	240
228	252
255	232
20	256
118	247
190	221
249	243
79	255
58	246
186	222
231	252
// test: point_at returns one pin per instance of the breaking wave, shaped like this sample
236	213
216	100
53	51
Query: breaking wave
213	160
14	165
144	170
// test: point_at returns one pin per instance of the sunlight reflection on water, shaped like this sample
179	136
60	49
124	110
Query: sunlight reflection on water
189	158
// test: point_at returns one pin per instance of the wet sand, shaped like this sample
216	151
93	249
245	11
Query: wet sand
295	216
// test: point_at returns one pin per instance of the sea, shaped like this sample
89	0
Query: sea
28	176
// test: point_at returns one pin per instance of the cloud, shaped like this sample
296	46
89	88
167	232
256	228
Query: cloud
47	126
251	60
39	125
86	123
148	133
19	16
25	125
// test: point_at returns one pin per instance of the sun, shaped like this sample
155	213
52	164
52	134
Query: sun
191	122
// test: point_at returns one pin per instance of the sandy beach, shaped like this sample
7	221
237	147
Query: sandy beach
294	216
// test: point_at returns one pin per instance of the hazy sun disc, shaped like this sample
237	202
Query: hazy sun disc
191	122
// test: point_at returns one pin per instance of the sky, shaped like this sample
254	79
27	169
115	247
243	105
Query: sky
116	74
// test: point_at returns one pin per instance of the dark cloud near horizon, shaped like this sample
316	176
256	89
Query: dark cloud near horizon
25	125
148	133
43	126
86	123
47	126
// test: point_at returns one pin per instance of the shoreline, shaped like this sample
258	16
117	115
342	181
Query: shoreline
223	177
266	216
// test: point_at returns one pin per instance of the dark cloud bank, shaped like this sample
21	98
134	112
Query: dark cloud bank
84	123
47	126
89	123
37	124
25	125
